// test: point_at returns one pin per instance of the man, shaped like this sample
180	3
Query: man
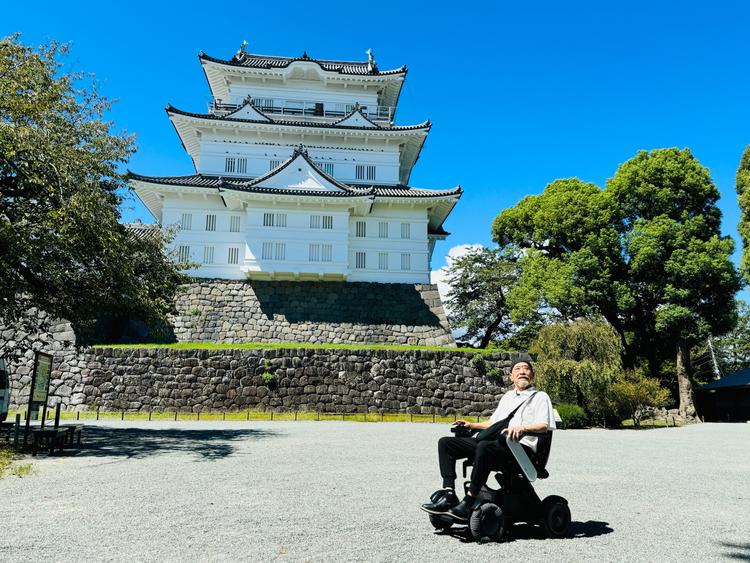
523	409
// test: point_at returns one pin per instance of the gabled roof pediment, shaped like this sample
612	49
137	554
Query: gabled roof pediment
299	173
248	111
356	119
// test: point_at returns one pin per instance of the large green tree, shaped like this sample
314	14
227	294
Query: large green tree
63	249
480	281
743	196
645	253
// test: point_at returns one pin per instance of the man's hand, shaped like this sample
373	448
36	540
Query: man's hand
514	432
463	423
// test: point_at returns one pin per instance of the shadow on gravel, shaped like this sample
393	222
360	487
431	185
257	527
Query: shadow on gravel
590	529
133	443
739	551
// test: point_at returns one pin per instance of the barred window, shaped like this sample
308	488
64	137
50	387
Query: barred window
314	253
273	164
268	219
183	254
361	230
234	256
364	172
279	251
241	165
314	221
383	230
405	230
208	254
230	163
281	219
234	224
210	222
326	167
406	261
327	253
267	251
382	260
360	260
187	221
328	221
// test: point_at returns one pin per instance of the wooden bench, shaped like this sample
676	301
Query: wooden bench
74	432
50	438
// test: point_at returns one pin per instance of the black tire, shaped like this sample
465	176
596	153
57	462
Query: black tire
439	523
487	523
555	517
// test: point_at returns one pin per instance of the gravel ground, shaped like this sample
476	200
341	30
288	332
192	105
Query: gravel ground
344	491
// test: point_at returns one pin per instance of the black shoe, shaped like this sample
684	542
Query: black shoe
441	502
462	510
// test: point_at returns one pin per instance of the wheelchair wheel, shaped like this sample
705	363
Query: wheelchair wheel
440	523
487	523
555	517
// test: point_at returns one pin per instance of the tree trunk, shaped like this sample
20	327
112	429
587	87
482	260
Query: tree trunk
487	337
684	386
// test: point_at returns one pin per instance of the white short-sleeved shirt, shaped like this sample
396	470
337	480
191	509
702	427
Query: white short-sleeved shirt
535	411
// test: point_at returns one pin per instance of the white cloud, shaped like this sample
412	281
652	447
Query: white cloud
440	277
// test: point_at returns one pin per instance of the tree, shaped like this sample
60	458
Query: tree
578	362
733	348
743	197
645	253
64	251
477	301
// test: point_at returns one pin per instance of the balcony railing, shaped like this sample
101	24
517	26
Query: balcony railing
307	110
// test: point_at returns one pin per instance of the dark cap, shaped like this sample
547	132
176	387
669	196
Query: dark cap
522	360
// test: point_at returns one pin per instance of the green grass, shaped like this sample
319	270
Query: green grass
652	423
8	467
287	345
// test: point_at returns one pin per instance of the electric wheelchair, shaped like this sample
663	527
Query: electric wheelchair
515	500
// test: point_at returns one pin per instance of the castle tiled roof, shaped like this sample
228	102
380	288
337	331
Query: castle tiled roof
227	118
248	60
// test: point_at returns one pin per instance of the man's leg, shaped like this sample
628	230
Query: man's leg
451	449
489	454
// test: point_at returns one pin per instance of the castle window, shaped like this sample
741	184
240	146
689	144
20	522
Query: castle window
326	167
279	251
382	260
208	254
327	253
361	230
183	254
187	221
263	103
267	251
233	256
314	253
314	221
210	222
234	224
328	221
406	261
268	219
405	230
281	219
230	163
360	261
382	230
241	165
273	164
363	172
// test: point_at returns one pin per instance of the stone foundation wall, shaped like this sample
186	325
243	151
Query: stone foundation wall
311	312
142	379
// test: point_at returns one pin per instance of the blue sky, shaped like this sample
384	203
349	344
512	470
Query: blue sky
519	93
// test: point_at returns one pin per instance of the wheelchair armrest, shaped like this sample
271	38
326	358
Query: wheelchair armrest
522	458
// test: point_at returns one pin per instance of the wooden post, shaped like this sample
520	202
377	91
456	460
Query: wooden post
97	413
122	416
149	416
17	430
57	415
175	416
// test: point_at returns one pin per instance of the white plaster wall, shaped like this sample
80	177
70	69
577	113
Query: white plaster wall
385	158
304	90
297	237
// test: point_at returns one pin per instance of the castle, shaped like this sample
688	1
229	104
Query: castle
301	174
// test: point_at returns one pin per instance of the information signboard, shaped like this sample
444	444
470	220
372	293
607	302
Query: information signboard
41	378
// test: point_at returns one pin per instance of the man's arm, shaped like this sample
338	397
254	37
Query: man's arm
474	425
517	432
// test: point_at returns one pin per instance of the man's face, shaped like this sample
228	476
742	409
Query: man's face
521	376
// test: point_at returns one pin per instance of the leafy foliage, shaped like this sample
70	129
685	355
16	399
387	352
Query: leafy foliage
578	363
480	281
635	393
733	349
64	251
572	416
743	197
645	253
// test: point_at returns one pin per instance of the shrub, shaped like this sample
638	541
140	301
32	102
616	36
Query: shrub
572	416
636	392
